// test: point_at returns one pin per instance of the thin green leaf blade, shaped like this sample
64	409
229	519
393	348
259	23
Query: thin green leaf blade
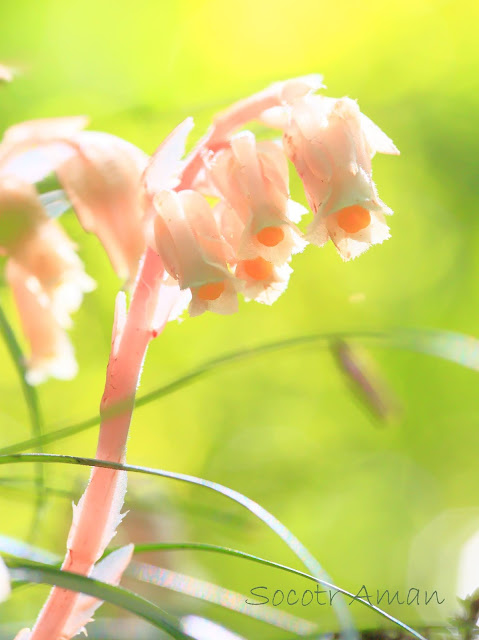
31	400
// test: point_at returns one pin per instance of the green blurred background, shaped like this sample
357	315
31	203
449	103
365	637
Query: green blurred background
385	506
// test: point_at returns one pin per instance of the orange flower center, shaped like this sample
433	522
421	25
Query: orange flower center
353	219
270	236
211	291
258	269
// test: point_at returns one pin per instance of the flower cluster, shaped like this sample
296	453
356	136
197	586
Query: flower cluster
222	219
234	228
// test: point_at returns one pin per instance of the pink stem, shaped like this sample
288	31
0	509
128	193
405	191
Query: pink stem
224	125
87	543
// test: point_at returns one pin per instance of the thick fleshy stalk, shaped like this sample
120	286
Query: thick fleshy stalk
96	517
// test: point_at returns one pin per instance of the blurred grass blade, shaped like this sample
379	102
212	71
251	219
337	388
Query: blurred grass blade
31	400
20	549
121	628
455	347
210	592
18	487
293	543
448	345
22	570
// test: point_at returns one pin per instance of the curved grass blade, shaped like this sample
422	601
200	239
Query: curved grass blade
18	487
275	525
199	546
22	570
455	347
31	400
19	549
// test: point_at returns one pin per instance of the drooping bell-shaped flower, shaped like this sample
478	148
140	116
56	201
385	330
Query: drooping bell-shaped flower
184	229
331	145
192	249
251	230
102	180
253	179
100	173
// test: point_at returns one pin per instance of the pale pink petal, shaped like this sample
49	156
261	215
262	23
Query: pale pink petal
225	304
5	588
295	211
24	634
33	164
351	245
50	256
109	570
231	228
102	180
291	243
266	290
295	88
171	304
274	165
119	322
377	140
26	135
188	240
165	165
51	353
275	117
